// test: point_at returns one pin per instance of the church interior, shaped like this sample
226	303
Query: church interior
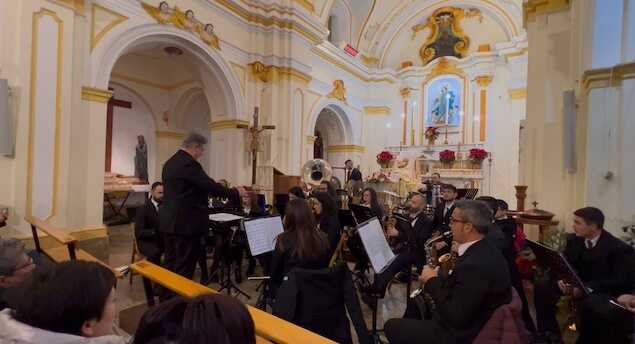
528	101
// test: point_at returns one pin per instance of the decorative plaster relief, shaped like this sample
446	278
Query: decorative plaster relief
339	91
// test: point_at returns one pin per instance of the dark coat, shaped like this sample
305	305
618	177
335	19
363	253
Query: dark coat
439	221
186	187
146	230
284	260
355	175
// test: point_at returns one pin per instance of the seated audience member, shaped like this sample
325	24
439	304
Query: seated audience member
204	319
296	192
466	299
326	215
605	266
15	266
72	302
149	239
300	245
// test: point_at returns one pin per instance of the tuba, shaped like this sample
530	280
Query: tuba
446	261
316	171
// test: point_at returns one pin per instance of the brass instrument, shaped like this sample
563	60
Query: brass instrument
316	171
432	261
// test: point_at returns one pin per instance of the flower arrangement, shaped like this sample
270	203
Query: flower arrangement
477	155
379	178
447	156
384	157
432	133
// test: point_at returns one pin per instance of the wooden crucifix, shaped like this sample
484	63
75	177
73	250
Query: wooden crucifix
254	137
109	121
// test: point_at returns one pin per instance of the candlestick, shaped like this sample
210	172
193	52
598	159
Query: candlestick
446	136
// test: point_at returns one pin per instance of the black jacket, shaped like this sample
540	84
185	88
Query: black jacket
439	221
467	298
355	175
185	205
283	260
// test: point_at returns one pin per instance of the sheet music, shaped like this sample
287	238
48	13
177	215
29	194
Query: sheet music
375	243
224	217
262	233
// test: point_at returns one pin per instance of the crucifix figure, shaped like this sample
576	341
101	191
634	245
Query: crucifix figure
254	139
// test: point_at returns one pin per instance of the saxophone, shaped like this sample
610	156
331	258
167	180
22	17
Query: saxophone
432	261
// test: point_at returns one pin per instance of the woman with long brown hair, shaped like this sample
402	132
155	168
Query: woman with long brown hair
301	244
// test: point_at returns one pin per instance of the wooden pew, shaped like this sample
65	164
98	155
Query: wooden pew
269	327
67	250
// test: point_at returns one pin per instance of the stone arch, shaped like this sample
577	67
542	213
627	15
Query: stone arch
341	113
124	37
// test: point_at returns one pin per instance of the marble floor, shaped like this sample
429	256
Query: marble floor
130	295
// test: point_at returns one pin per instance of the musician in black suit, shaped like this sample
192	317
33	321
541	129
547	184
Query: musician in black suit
443	212
183	219
352	173
411	249
466	299
146	231
433	190
605	266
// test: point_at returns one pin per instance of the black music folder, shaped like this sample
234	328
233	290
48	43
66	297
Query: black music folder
361	212
404	225
346	218
559	266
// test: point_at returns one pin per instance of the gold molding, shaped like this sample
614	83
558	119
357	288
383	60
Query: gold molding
169	135
368	60
518	93
227	124
96	94
306	4
58	107
405	92
78	5
310	139
534	8
377	110
338	92
443	66
345	68
346	149
607	77
522	52
273	74
483	80
153	84
94	40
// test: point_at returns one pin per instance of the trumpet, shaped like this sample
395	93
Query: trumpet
432	261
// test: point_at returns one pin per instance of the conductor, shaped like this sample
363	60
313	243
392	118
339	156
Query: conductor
183	219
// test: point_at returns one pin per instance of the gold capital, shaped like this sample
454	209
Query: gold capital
483	80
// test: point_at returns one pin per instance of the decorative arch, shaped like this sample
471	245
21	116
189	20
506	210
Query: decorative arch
126	36
342	113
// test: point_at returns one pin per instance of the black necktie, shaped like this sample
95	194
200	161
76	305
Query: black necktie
589	244
348	175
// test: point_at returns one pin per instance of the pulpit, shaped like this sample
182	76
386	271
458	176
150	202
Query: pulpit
272	181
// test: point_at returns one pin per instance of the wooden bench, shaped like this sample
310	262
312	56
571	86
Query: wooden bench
68	250
269	327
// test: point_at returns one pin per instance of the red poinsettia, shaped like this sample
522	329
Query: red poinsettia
379	178
477	155
447	156
384	157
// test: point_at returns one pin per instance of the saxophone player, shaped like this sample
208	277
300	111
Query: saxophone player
411	251
467	298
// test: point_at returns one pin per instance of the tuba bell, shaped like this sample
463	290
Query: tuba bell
316	171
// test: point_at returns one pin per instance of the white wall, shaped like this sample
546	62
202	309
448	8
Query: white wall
127	125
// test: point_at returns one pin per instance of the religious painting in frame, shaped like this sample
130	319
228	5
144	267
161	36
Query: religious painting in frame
444	101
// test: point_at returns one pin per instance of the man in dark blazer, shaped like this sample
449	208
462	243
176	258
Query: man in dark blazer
412	253
466	299
352	173
146	231
605	266
184	217
443	212
433	190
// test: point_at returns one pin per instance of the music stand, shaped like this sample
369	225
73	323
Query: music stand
380	256
346	218
281	208
559	266
404	226
362	213
226	219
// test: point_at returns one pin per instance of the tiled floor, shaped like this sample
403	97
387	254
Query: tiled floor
129	295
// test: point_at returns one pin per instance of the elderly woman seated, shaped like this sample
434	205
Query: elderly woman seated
72	302
211	318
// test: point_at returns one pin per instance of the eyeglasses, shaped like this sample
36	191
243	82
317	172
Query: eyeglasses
29	262
453	220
